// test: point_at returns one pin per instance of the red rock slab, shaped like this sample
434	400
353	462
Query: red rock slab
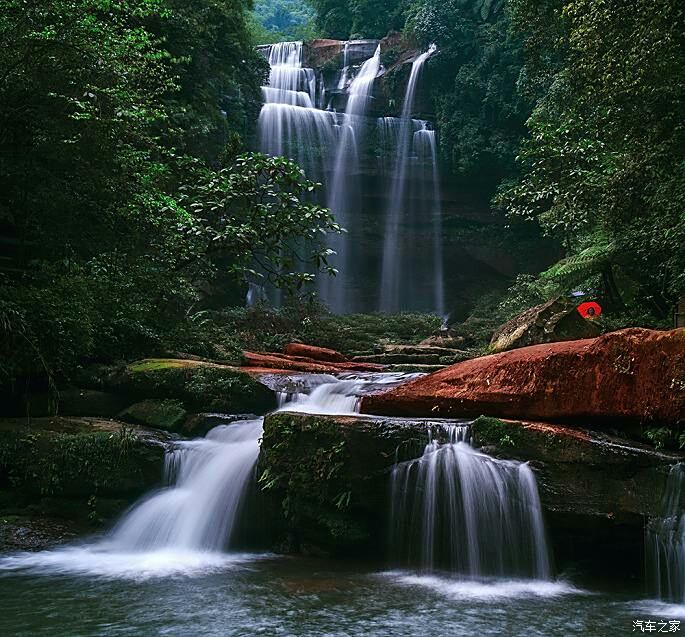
634	375
316	353
301	364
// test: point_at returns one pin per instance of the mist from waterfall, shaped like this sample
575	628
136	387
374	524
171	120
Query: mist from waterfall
665	541
458	509
333	148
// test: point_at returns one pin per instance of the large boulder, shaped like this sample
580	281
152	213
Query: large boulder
556	320
201	386
60	477
326	478
579	471
633	376
168	414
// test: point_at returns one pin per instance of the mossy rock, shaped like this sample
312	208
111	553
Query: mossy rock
326	478
78	458
200	386
168	414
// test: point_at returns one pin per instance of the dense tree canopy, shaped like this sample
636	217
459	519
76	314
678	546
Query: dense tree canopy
605	156
475	86
119	183
282	20
345	19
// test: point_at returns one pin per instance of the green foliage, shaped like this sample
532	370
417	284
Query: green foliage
201	387
282	20
79	464
266	329
356	19
256	213
604	163
121	188
474	83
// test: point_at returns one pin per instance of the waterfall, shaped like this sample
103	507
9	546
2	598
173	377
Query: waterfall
289	123
344	192
208	478
665	541
425	146
393	273
334	148
198	512
456	508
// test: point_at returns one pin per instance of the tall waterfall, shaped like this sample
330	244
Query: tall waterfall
344	192
299	120
458	509
665	541
394	271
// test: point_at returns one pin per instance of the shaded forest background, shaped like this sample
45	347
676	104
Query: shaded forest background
127	199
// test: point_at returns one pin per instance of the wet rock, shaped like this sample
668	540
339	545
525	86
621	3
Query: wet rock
61	476
623	379
580	471
79	457
327	482
326	478
556	320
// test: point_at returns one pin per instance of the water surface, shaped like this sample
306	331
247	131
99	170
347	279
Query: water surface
80	592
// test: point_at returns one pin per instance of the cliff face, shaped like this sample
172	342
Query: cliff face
476	243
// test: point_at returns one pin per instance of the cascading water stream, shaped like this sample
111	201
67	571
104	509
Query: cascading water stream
392	272
665	541
289	123
344	189
199	511
457	509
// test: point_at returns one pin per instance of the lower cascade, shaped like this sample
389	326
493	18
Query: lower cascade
665	541
210	478
458	509
199	511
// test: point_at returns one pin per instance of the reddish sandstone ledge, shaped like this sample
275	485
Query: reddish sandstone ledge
316	353
304	364
634	375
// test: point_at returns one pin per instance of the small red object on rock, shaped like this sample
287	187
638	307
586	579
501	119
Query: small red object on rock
590	310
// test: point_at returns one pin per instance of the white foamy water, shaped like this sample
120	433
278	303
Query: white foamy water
485	589
180	530
655	608
106	561
341	397
187	527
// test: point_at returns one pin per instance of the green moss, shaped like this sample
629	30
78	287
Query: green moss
79	464
199	386
168	414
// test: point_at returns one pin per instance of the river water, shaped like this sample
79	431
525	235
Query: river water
267	595
163	570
